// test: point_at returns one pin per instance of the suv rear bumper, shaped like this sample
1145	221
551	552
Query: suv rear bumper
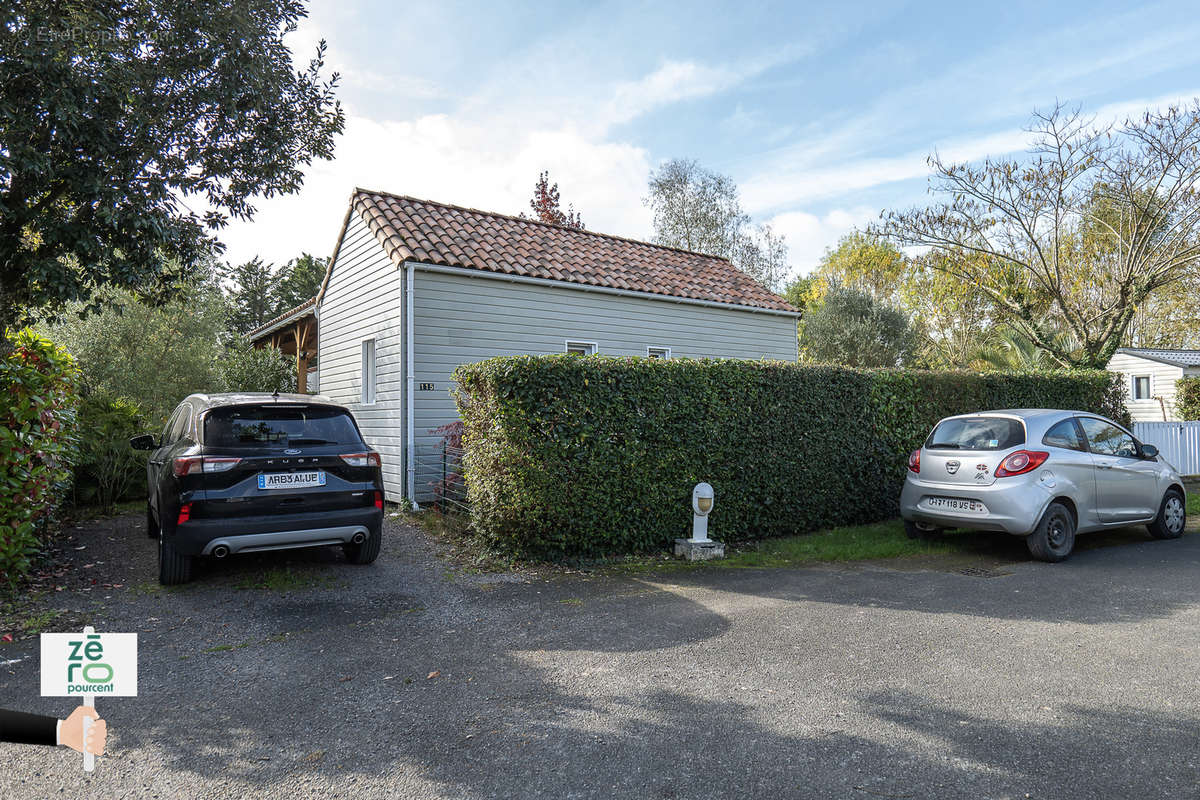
276	531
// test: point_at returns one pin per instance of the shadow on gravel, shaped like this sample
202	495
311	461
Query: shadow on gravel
1145	580
393	670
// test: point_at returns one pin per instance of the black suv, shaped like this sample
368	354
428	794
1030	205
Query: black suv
242	473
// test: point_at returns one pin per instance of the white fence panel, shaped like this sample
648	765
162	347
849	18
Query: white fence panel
1177	442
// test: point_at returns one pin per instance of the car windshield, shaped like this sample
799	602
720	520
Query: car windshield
976	433
278	426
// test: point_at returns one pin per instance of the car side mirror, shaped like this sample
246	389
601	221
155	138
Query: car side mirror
143	442
1149	451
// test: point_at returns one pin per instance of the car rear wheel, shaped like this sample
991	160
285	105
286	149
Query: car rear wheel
366	552
1054	537
1172	516
173	567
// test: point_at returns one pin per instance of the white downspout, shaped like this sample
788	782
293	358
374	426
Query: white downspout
410	385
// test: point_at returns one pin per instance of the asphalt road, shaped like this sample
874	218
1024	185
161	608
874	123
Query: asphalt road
401	680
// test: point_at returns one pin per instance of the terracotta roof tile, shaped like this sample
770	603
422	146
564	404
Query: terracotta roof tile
452	236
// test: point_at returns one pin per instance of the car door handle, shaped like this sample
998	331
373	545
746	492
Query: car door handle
1104	466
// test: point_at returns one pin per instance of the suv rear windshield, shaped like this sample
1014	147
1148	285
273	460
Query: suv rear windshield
278	426
976	433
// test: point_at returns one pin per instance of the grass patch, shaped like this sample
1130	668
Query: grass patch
850	543
1193	504
284	579
38	622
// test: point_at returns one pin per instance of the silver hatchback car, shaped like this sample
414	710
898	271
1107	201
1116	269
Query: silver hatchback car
1041	474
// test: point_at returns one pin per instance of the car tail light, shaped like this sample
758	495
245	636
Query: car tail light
362	459
379	500
914	461
185	513
1020	462
193	465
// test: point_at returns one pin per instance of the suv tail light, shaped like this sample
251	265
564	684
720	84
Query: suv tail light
362	459
194	465
914	461
1020	462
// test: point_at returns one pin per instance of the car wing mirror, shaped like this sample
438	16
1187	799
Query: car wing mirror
1149	451
143	442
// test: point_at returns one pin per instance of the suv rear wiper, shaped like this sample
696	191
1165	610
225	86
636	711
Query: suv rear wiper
309	441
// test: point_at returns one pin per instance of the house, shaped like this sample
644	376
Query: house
416	288
294	333
1150	376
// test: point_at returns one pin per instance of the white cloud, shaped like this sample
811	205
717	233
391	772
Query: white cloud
808	235
438	157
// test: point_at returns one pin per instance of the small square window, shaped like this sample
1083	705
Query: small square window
1141	387
658	352
581	348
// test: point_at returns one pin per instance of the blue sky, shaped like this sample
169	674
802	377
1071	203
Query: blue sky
823	114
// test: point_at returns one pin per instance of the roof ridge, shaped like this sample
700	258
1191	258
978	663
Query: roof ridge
360	189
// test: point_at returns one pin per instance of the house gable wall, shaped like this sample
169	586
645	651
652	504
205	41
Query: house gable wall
362	300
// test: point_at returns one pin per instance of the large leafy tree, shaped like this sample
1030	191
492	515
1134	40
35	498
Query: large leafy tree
300	280
131	130
700	210
547	206
954	318
852	328
251	292
151	356
1075	237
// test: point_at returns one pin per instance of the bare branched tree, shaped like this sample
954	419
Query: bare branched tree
1076	237
699	210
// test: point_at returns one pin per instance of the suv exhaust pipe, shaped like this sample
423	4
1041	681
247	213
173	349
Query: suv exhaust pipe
358	538
220	551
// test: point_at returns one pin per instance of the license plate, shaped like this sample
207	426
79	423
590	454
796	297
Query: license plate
291	480
955	504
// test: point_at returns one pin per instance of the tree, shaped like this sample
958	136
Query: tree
546	205
1076	237
698	210
153	357
251	295
300	281
1009	349
852	329
954	318
245	368
116	118
865	263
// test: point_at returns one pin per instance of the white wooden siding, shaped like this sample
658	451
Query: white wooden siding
362	301
463	319
1162	384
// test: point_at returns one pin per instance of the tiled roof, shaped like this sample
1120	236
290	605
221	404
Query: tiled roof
1180	358
286	316
451	236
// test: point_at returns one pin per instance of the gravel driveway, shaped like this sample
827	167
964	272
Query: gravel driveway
404	680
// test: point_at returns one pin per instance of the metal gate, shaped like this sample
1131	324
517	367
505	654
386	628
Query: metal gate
1177	442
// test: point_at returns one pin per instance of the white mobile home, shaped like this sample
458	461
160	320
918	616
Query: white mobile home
1150	376
416	288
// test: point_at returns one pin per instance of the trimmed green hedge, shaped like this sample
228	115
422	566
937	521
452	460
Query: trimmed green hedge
569	456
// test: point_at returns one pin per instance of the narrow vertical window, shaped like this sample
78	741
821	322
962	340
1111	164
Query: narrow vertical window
368	371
